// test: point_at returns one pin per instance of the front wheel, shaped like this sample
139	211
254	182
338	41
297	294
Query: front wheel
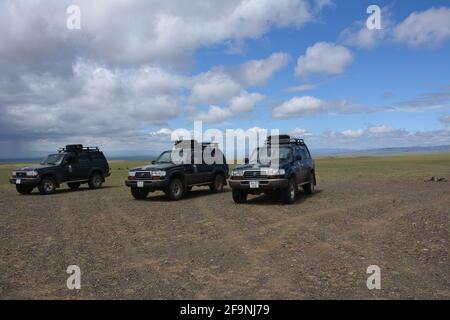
139	193
95	181
47	185
175	189
239	196
288	194
24	189
218	183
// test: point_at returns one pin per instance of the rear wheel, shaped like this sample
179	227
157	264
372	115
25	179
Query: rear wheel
47	185
74	185
24	189
175	189
95	181
218	183
288	194
309	188
139	193
239	196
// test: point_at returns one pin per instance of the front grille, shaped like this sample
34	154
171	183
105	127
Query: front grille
21	174
143	175
254	175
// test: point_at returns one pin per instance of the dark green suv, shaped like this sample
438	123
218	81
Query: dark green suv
74	165
282	165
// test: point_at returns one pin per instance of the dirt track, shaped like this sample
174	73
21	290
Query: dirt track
205	246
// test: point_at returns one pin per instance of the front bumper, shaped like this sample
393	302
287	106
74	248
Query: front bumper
148	184
26	181
264	184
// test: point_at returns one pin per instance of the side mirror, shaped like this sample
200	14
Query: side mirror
246	160
298	158
153	161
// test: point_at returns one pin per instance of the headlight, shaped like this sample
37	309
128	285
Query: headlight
273	172
131	173
237	173
33	173
13	173
158	173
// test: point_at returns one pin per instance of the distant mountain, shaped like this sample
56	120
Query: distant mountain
381	151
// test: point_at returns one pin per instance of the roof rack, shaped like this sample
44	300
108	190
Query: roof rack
195	142
285	139
78	148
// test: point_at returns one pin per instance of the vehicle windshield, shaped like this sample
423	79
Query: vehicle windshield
165	157
268	155
53	159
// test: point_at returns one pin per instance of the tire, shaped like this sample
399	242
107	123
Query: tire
309	188
288	194
24	189
74	185
239	196
218	183
95	181
47	185
175	189
139	193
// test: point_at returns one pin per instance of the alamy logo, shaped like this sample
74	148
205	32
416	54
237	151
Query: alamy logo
373	22
374	280
74	280
74	20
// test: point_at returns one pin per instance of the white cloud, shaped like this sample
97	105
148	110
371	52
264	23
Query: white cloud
353	133
298	107
245	102
299	132
214	87
445	119
324	58
301	88
380	129
138	31
214	114
426	28
258	72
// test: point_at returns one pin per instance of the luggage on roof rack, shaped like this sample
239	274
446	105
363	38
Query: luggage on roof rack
284	139
78	148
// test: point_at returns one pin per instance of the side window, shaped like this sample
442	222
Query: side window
302	153
84	159
97	157
306	151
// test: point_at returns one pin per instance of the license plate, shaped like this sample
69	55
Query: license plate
254	184
17	181
140	184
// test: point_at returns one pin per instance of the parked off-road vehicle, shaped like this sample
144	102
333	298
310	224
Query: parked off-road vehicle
177	176
270	171
74	165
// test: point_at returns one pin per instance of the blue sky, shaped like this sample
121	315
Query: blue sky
131	74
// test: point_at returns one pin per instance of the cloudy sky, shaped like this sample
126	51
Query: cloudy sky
138	69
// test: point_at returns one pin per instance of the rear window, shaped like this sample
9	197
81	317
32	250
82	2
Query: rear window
97	157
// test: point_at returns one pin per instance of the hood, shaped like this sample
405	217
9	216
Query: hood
256	166
35	167
154	167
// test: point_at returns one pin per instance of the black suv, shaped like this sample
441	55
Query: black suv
268	171
73	165
177	176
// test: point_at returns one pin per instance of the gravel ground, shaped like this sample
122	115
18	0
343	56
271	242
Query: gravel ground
205	246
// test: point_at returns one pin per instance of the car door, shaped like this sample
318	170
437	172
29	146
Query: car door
190	169
304	171
83	166
69	168
298	165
